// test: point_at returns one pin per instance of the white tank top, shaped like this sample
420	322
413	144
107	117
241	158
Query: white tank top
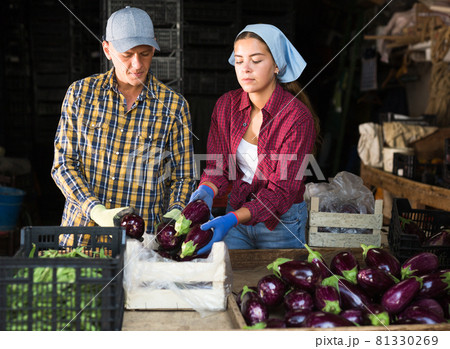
247	159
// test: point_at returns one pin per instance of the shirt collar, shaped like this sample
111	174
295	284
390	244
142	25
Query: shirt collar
273	104
110	82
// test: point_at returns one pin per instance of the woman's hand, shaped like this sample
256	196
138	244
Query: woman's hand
220	225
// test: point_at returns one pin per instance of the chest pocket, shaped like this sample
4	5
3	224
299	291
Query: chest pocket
92	129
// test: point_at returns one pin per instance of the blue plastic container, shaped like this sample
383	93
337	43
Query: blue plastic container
10	202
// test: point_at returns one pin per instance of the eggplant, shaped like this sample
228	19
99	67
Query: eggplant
195	240
398	297
435	285
351	295
195	213
245	292
354	315
254	310
410	227
167	238
346	265
439	239
376	257
134	226
320	319
317	259
168	255
374	281
298	300
444	302
295	318
327	299
431	304
275	323
419	264
376	315
271	290
298	274
419	315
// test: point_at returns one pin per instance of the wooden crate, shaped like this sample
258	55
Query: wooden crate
250	265
344	220
200	285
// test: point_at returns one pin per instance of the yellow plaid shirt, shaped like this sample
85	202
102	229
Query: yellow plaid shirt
106	154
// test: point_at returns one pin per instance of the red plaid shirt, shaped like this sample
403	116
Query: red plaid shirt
286	136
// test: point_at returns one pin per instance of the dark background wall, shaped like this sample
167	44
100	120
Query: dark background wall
44	48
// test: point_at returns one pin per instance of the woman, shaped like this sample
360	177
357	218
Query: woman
258	139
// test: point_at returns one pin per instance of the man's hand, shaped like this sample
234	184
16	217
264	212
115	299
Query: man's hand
204	193
220	225
109	217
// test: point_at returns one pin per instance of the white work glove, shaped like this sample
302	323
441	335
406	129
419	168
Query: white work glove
109	217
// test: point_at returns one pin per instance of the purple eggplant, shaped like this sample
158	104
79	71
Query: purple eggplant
376	315
195	213
410	227
271	290
439	239
374	281
444	302
376	257
420	264
420	315
168	255
246	292
195	240
134	226
166	237
346	265
320	319
435	285
431	304
275	323
317	259
298	300
327	299
398	297
350	295
254	311
295	318
354	315
298	274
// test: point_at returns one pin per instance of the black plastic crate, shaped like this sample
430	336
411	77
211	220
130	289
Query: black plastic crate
404	246
405	165
77	294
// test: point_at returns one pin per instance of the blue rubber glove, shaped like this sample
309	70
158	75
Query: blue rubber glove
204	193
220	225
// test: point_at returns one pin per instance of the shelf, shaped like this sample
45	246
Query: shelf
418	194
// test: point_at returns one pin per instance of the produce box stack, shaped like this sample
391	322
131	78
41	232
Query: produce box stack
45	287
348	289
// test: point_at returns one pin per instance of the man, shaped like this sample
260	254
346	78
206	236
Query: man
124	138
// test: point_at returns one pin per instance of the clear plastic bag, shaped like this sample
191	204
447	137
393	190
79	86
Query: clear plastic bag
345	193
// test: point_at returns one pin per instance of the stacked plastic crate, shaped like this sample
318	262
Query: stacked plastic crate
166	16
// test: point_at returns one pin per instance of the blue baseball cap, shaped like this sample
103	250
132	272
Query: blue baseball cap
288	60
130	27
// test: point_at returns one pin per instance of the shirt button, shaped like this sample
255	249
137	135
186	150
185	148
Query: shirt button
121	130
244	124
113	178
93	125
117	153
110	200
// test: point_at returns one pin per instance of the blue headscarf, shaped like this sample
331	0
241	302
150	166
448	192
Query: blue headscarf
289	61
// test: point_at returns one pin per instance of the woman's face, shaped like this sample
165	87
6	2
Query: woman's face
254	66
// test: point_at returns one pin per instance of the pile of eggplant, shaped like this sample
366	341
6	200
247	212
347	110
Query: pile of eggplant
180	239
310	293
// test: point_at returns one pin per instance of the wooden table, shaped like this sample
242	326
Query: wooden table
419	194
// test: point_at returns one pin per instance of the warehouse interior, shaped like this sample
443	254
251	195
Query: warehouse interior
49	44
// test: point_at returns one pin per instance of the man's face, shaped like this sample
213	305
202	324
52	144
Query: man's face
131	67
